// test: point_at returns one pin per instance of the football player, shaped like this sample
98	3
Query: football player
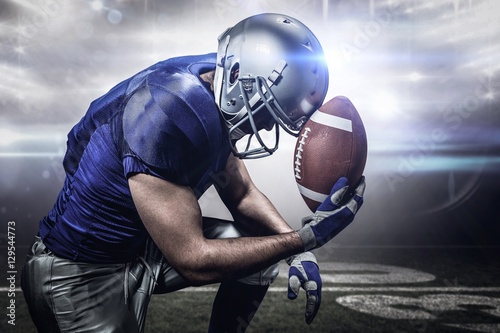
127	223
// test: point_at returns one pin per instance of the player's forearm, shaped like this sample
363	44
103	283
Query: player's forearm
258	216
219	259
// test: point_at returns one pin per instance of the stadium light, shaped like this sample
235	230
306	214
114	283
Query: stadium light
96	5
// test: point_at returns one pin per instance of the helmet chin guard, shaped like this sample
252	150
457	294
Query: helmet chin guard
271	72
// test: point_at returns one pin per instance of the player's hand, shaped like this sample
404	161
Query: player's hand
333	215
304	272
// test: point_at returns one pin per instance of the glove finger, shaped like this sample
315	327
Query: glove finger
360	190
312	306
357	200
354	204
336	195
293	287
313	290
341	182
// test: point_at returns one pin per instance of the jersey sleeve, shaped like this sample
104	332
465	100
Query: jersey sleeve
163	136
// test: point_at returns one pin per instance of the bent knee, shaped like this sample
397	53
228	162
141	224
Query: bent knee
263	278
215	228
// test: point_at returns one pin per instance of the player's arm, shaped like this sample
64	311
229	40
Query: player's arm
251	209
255	213
172	217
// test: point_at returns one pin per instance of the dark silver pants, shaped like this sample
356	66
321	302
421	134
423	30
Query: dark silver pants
67	296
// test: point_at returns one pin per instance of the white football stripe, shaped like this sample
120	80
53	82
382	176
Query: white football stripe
332	121
315	196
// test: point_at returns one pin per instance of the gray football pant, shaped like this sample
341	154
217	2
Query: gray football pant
68	296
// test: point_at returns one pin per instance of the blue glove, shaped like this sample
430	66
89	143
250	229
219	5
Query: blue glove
304	272
332	216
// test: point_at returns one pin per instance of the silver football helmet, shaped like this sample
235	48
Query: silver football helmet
270	71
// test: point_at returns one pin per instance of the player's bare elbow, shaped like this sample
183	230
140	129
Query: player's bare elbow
197	268
197	275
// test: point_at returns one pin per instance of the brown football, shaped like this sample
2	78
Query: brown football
332	144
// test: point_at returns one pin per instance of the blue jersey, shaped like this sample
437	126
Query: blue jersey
162	121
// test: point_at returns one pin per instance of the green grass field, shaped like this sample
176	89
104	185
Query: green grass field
365	290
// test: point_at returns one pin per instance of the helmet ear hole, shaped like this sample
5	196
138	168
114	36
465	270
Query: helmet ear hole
235	72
